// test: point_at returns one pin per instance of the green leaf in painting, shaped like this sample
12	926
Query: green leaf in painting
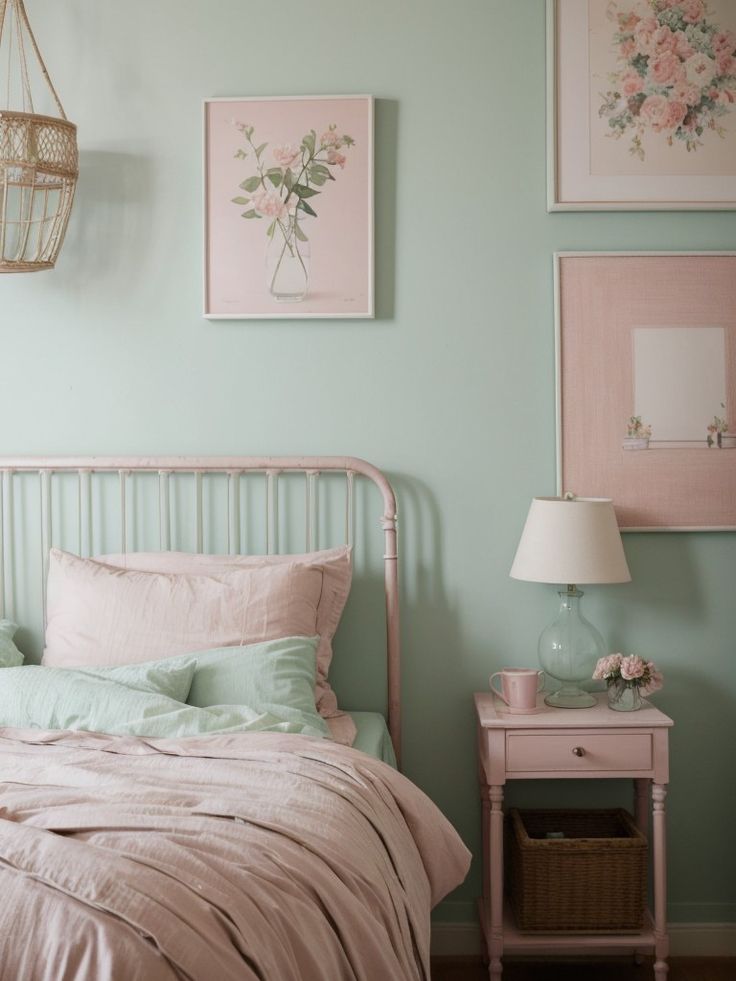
303	206
304	192
250	214
240	200
288	179
251	184
260	149
271	229
309	141
274	175
299	233
317	179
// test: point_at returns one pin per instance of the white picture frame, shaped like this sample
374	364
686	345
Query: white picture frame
574	139
339	279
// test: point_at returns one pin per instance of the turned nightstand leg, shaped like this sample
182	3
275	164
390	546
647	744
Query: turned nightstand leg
641	805
495	852
659	842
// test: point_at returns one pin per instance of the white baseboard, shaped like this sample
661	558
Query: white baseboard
686	939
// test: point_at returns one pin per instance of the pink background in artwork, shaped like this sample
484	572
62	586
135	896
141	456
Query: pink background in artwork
340	237
601	299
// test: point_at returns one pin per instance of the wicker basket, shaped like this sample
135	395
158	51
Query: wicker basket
592	880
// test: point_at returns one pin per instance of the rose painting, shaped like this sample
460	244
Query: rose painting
288	207
663	86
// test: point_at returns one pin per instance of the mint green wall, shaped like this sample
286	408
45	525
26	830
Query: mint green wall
451	389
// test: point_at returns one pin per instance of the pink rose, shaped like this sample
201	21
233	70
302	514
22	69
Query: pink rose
656	680
286	154
685	92
628	47
725	42
632	667
268	203
666	68
663	40
607	666
692	10
675	115
700	69
654	110
726	64
644	33
632	83
683	48
333	157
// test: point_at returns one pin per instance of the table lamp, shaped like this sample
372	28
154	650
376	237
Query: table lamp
571	540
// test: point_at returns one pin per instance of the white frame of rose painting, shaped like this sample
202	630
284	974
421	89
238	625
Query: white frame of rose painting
561	147
560	398
288	311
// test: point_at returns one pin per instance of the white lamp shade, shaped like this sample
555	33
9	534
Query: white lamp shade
571	541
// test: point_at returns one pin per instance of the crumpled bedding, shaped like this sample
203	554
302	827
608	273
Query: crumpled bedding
250	856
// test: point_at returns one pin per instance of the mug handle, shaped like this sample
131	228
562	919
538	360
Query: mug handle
541	681
495	690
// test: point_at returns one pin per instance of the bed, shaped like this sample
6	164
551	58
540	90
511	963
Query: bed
181	796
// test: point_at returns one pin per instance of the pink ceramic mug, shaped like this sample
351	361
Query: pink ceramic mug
519	687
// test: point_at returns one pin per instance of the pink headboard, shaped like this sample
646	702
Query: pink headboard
50	470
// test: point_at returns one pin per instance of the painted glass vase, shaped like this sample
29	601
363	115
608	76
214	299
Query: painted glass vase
623	697
287	261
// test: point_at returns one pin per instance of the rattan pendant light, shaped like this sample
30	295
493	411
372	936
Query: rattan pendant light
38	157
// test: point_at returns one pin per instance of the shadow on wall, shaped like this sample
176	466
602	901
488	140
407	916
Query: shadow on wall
385	156
111	228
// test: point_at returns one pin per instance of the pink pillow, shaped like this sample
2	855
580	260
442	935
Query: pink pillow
336	568
100	615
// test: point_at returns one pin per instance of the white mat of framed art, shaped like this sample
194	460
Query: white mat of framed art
288	207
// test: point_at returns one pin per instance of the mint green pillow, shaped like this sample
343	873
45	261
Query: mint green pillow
172	677
10	656
274	678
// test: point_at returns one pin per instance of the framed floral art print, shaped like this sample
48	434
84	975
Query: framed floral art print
288	199
641	105
646	386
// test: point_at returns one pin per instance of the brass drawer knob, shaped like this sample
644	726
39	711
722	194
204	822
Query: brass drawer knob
578	751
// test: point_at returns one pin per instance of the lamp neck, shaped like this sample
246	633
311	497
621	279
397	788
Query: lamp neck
570	597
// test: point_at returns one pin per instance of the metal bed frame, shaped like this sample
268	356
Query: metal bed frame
199	467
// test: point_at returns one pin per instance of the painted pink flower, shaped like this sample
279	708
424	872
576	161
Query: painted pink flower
675	115
268	203
686	92
632	667
663	40
631	83
726	64
330	137
666	68
627	22
692	10
654	110
725	42
628	48
286	154
682	46
700	69
644	33
333	157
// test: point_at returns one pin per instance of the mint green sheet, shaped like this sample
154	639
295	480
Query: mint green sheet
373	736
275	694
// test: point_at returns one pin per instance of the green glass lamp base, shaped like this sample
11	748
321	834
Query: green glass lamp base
570	698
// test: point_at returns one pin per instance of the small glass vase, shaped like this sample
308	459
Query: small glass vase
287	261
623	697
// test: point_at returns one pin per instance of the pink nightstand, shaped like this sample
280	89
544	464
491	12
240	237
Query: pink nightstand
559	744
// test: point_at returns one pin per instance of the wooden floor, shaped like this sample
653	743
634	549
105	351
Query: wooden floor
615	969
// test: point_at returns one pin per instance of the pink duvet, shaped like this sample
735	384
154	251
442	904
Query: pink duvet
259	856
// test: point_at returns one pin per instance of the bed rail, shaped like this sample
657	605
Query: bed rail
198	467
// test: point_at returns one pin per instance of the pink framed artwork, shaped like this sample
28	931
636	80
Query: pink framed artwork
641	104
288	199
646	386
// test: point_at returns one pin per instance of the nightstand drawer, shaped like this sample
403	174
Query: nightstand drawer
539	752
